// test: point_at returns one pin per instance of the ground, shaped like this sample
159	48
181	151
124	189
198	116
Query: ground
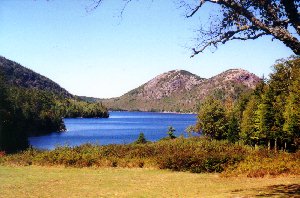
34	181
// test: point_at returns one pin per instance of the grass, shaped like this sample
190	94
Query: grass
36	181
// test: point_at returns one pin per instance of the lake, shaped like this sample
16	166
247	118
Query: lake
119	128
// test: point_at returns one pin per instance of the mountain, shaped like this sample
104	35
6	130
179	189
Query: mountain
181	91
16	74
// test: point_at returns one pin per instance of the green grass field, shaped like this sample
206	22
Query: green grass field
35	181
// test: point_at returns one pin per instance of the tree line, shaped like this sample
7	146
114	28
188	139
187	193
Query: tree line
29	112
267	116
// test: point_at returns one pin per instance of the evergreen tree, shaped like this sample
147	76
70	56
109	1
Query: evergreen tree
141	139
248	131
291	126
265	117
170	132
233	129
279	83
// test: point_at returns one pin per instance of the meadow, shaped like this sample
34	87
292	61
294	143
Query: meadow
37	181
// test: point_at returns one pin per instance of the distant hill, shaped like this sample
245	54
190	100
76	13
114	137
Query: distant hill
181	91
20	76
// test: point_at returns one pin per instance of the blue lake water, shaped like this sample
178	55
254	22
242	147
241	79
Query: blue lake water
119	128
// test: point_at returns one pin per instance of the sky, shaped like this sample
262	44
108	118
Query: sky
101	53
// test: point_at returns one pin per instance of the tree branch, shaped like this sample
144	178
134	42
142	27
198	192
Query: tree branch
228	36
292	13
196	9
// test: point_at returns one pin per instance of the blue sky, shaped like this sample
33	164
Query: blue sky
104	55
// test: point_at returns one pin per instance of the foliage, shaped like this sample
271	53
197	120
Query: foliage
31	104
248	130
292	110
12	137
211	119
19	76
193	154
263	162
170	132
243	20
141	139
248	20
269	116
74	108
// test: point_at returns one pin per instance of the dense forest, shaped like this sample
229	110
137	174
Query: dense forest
28	112
31	104
20	76
268	116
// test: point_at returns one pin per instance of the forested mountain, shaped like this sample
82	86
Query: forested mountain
17	75
182	91
31	104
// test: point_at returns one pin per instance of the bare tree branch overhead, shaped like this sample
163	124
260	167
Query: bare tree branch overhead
244	20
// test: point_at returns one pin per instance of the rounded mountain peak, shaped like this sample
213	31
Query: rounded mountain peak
167	83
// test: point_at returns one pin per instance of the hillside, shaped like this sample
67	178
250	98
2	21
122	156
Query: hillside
31	104
181	91
16	74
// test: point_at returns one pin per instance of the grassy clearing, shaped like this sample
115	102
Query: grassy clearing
35	181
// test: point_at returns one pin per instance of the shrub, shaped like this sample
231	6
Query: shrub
196	154
263	162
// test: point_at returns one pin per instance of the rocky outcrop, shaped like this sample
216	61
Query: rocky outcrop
181	91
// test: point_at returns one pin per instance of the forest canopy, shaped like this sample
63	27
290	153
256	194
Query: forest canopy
268	116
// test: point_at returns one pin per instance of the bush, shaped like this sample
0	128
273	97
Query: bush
263	162
194	154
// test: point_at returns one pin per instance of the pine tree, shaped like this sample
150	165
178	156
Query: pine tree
249	132
141	139
170	132
291	126
265	117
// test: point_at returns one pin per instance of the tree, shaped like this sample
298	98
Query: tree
170	132
250	19
233	129
279	82
141	139
244	20
12	136
265	117
291	126
248	131
212	119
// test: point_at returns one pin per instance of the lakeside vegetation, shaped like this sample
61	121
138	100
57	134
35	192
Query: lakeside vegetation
31	105
238	133
31	112
268	116
197	155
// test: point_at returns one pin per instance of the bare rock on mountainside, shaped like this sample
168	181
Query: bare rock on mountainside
168	83
181	91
